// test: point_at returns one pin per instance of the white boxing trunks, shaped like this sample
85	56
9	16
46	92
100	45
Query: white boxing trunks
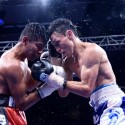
108	101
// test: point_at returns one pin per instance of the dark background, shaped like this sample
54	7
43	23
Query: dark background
93	18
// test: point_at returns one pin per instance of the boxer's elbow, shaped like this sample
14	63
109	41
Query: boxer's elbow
63	93
22	109
86	92
22	105
86	95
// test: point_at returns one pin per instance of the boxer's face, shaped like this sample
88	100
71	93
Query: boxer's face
33	49
62	44
37	50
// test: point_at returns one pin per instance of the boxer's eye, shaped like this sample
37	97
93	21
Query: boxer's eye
56	44
39	46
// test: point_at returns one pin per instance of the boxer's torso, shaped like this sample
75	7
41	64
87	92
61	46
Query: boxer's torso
105	73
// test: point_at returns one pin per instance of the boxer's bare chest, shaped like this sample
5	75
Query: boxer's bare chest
75	66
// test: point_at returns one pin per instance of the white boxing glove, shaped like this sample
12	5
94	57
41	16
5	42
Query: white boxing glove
46	90
56	80
59	71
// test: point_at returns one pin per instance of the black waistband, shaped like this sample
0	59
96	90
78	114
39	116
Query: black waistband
4	100
4	96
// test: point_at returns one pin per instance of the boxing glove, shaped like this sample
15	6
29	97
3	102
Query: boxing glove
58	77
46	90
44	71
56	80
41	69
52	50
44	55
59	71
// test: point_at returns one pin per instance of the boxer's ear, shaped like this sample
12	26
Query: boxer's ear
25	40
69	34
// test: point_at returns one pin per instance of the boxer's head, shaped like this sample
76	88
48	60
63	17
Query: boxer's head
34	31
33	39
61	25
63	33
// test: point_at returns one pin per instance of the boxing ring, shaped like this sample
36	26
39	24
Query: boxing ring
47	108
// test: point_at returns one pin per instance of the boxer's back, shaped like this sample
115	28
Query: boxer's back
4	88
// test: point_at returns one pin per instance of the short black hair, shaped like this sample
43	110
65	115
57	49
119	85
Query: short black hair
34	31
60	25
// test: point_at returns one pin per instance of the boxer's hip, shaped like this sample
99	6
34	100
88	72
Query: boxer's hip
9	114
106	92
12	116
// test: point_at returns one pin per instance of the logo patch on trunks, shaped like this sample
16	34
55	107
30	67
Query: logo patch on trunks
113	115
2	120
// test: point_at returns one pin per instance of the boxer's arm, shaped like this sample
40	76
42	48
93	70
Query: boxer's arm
69	77
32	84
86	85
18	88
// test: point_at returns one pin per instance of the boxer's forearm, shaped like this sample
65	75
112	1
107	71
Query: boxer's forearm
78	88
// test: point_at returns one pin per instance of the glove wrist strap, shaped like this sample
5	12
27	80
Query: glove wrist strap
40	92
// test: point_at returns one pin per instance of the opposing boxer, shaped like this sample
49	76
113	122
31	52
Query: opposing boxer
91	64
16	82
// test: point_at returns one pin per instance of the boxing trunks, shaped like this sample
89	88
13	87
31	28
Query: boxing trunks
108	102
9	114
